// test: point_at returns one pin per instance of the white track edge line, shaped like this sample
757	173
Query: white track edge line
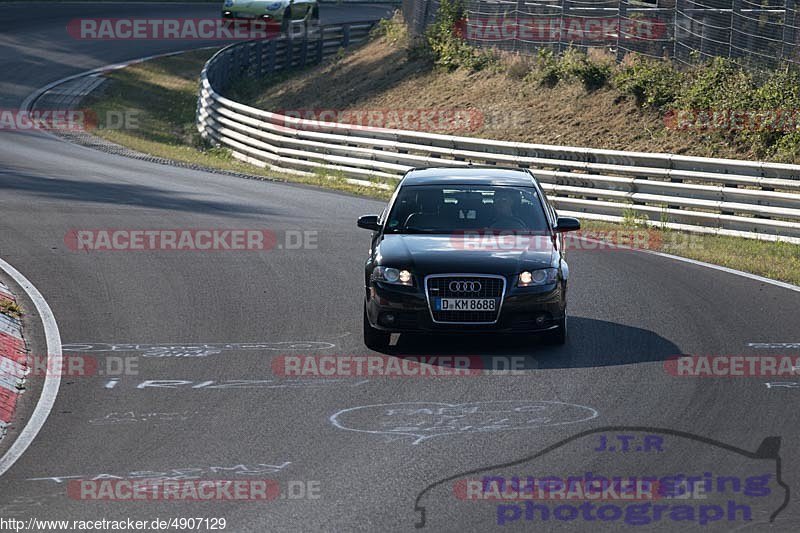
695	262
52	380
733	271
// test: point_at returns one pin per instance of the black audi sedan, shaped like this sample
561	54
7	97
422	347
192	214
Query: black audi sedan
466	250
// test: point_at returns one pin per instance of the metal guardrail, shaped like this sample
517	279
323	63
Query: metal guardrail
731	197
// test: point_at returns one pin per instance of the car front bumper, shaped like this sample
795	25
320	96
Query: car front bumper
519	311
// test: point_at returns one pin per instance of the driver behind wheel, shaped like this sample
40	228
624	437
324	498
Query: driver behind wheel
505	201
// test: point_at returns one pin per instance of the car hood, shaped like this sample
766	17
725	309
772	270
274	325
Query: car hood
438	254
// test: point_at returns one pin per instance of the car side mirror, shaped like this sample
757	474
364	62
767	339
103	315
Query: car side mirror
566	224
369	222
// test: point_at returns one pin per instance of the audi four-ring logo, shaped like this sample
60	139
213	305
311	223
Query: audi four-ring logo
465	286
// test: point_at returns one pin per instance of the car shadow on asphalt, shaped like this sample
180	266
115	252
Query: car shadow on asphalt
590	343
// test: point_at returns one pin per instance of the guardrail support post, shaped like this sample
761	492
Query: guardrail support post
304	50
319	50
672	180
728	186
288	54
346	35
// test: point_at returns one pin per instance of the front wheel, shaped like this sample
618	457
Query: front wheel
557	336
375	339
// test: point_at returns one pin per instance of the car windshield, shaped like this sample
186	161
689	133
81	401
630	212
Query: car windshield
452	209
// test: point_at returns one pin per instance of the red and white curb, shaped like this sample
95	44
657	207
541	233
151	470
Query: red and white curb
13	362
52	380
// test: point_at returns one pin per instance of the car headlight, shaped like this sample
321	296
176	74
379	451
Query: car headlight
273	6
535	278
395	276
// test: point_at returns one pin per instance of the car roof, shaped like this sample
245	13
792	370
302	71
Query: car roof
468	176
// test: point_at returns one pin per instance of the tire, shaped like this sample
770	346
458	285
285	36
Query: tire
558	336
375	339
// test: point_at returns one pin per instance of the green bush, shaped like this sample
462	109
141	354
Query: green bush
653	83
755	111
779	99
393	29
781	89
448	48
718	84
592	73
787	148
547	68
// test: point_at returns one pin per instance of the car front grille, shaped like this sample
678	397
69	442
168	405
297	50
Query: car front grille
443	286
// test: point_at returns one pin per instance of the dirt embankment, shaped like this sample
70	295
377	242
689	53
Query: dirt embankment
383	76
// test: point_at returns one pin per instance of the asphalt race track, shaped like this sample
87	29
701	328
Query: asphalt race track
377	466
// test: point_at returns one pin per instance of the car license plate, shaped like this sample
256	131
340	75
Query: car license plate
241	15
464	304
